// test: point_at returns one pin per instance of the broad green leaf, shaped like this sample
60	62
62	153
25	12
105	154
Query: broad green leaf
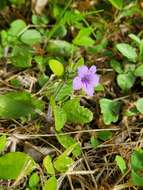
104	135
4	37
110	110
135	38
14	164
66	141
76	113
40	19
47	162
57	67
34	180
117	3
137	160
83	39
3	141
16	27
14	105
60	117
139	105
121	163
137	167
139	71
126	81
60	32
50	184
63	162
31	37
116	66
128	51
21	57
60	48
136	179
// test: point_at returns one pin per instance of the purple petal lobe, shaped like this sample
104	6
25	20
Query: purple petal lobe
77	84
83	70
88	89
93	69
94	80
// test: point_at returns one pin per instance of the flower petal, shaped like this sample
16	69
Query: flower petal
83	70
88	89
77	84
93	69
94	80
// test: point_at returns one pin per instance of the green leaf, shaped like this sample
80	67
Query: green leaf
16	27
33	180
141	51
50	184
135	38
60	32
136	179
4	37
60	48
104	135
40	62
31	37
3	141
116	66
60	117
121	163
21	57
137	160
66	141
117	3
139	105
94	142
14	164
56	66
128	51
99	88
47	162
76	113
126	81
17	2
137	167
83	39
63	162
64	92
14	105
131	112
139	71
110	110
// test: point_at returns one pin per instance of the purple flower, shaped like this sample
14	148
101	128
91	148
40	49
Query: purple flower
87	79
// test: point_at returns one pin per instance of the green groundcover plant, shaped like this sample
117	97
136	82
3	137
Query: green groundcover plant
53	88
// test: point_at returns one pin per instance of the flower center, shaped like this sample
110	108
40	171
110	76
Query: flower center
86	79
